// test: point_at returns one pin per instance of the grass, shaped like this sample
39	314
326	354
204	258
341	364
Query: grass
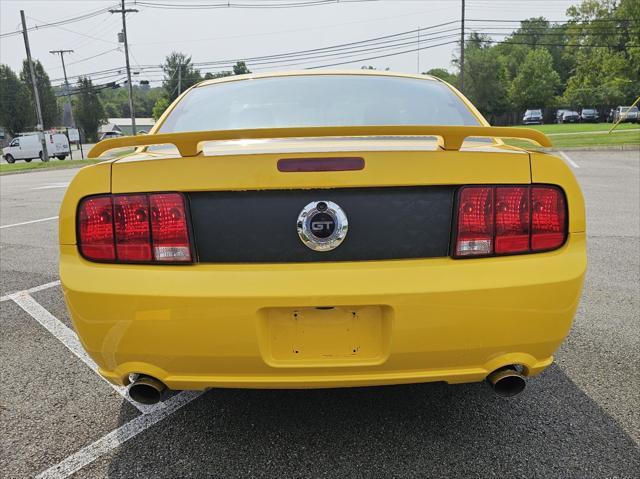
21	166
577	135
567	128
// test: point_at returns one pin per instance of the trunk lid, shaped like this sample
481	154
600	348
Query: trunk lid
243	210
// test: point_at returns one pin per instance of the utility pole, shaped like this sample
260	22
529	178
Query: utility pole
40	127
124	12
179	78
66	93
462	49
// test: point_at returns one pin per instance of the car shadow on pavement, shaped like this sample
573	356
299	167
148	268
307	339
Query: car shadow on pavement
552	430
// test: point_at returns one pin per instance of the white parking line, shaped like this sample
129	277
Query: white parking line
117	437
29	222
67	337
568	160
35	289
50	186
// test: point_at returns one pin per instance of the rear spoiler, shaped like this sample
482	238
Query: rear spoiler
452	137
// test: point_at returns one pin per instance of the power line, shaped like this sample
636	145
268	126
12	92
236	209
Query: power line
58	23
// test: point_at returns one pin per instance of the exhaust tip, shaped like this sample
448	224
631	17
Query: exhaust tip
147	390
507	382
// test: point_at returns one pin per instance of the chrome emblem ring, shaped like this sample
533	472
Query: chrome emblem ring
322	225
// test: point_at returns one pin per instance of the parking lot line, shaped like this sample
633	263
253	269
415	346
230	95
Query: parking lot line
67	337
35	289
568	160
117	437
29	222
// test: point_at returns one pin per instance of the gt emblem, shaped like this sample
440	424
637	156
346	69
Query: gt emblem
322	225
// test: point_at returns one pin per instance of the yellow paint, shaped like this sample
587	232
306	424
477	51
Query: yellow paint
233	325
190	143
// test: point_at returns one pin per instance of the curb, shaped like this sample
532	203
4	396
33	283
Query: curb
595	148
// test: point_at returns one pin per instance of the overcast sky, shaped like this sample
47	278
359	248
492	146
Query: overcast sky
235	33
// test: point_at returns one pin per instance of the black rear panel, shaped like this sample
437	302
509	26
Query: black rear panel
260	226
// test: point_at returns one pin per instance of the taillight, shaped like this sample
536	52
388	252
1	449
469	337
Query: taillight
95	220
547	218
169	227
137	228
131	218
499	220
475	222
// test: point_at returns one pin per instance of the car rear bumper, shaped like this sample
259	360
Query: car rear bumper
257	326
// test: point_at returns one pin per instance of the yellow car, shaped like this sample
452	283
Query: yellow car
318	230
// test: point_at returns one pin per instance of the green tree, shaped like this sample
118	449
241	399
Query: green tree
16	109
179	74
88	110
485	77
48	101
536	83
602	77
240	68
609	73
158	109
443	74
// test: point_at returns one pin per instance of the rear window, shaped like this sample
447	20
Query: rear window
327	100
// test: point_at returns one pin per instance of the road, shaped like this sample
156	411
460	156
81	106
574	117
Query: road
579	419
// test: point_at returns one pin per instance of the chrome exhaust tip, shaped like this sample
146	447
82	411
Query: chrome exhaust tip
506	382
146	390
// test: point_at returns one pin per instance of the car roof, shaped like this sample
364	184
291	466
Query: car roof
253	76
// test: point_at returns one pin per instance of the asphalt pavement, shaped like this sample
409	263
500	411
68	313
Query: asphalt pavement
579	419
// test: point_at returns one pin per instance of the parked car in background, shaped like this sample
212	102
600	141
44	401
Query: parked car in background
569	116
110	134
626	114
589	115
559	114
28	147
532	117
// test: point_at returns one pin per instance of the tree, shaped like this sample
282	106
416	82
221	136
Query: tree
16	109
443	74
536	83
88	111
240	68
179	74
485	78
158	109
601	78
48	101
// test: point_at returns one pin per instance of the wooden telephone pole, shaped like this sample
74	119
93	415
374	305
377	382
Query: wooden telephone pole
124	12
40	126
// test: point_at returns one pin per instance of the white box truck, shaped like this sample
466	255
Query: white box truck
28	147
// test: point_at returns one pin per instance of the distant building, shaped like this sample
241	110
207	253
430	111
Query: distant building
123	125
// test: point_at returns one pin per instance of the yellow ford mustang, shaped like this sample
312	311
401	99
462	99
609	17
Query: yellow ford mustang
314	230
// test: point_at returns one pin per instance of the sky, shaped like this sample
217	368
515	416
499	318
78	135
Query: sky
237	33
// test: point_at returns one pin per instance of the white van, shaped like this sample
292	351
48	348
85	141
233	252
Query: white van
28	147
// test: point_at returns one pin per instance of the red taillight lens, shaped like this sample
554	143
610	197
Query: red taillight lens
512	219
134	228
95	228
548	218
475	222
509	219
169	227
